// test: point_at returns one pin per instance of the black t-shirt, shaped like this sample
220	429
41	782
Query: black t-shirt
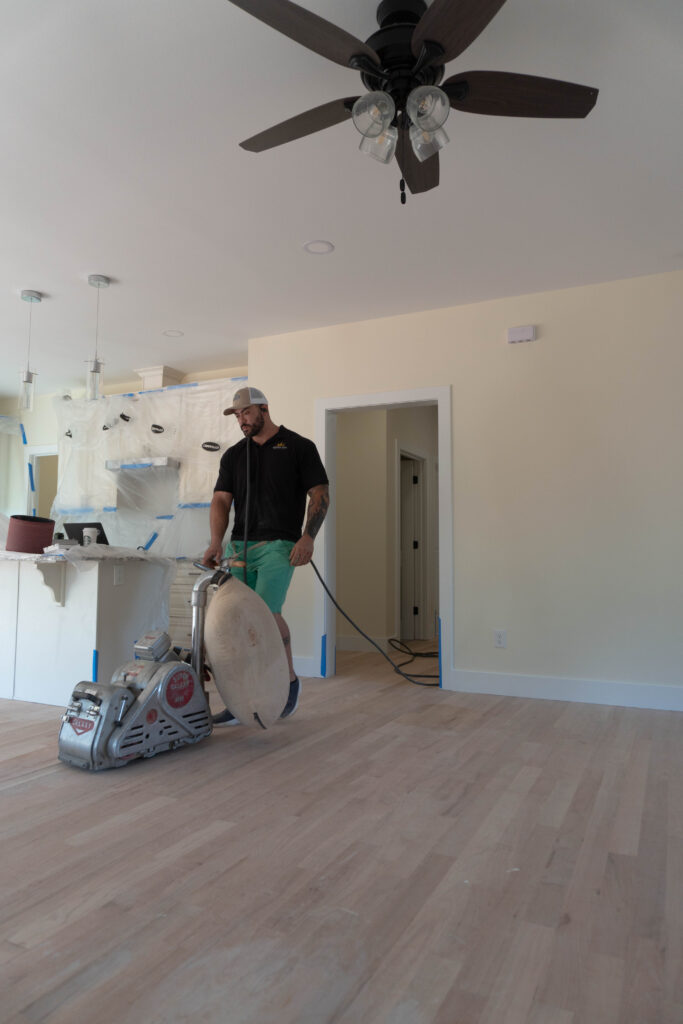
281	471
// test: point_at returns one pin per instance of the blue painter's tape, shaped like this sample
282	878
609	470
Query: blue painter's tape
75	511
95	662
440	664
136	465
164	517
23	433
33	512
152	391
190	384
196	504
323	655
150	541
30	477
109	508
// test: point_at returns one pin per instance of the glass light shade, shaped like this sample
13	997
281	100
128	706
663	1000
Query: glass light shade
373	113
428	107
426	144
381	148
26	385
93	379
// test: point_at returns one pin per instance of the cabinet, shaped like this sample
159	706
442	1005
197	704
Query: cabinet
80	624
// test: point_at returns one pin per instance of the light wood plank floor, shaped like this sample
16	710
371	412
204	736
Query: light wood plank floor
390	855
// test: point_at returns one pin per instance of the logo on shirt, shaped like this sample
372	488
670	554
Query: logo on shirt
280	444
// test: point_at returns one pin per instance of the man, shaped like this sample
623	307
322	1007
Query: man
284	468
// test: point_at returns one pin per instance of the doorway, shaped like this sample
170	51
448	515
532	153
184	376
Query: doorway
42	464
328	412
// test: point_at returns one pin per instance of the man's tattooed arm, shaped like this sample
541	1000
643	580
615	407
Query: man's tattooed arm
318	504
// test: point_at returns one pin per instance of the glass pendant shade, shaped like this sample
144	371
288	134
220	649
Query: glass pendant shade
381	147
428	107
93	379
26	385
373	113
426	144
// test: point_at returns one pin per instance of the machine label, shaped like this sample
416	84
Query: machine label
81	725
179	689
152	716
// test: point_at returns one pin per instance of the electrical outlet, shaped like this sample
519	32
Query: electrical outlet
500	638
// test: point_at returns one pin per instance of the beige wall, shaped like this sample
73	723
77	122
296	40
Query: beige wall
567	489
362	549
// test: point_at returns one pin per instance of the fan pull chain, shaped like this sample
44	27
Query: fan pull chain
402	186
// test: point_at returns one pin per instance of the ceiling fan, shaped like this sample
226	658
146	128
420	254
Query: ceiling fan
401	66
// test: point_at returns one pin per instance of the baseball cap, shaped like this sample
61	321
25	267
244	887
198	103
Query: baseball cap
244	397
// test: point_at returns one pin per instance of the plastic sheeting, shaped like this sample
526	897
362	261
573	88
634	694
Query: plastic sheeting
107	471
11	440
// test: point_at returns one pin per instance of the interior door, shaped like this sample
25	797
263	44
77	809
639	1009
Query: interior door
411	547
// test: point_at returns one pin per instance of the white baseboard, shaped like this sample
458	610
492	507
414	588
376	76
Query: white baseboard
657	696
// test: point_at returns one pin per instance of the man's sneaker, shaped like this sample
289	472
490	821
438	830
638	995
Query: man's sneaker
293	699
225	718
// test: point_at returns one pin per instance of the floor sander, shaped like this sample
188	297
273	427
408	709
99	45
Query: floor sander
158	702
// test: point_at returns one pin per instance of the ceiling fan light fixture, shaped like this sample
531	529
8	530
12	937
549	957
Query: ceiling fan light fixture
428	107
426	144
382	147
373	113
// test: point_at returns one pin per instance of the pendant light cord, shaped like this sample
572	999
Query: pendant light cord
28	353
97	324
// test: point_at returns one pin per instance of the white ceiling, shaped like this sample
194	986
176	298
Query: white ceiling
120	125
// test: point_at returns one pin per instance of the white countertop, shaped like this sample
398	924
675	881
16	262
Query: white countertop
91	553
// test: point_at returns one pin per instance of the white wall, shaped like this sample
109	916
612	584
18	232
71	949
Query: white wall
568	495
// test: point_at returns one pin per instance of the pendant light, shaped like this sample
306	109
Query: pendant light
372	116
427	107
93	379
27	379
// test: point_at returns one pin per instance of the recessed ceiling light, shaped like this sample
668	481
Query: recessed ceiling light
319	247
174	334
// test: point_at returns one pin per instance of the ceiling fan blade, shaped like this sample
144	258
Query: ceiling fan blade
453	24
419	177
308	29
303	124
510	95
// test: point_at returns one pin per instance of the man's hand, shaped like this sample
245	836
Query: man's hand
302	552
213	554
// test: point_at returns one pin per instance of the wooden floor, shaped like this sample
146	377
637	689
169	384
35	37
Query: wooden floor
390	854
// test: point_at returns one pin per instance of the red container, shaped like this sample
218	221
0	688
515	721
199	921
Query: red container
29	534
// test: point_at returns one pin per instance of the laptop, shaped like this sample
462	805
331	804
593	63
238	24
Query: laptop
74	531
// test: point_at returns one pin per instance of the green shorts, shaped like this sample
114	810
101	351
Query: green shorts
268	570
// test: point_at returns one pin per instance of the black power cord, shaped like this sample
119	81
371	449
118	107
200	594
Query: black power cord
417	680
